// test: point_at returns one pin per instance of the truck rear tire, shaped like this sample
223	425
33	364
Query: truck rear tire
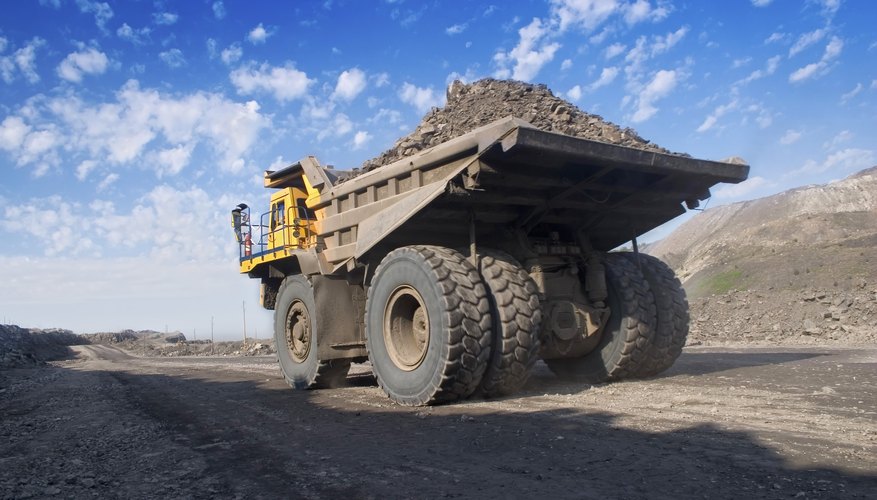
427	325
517	316
295	335
672	313
628	334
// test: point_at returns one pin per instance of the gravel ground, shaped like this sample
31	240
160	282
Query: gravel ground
724	422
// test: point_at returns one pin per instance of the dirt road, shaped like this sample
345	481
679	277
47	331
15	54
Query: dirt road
723	423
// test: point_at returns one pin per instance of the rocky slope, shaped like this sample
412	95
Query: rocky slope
796	267
479	103
31	346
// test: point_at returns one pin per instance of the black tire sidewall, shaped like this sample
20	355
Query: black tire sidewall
404	269
298	375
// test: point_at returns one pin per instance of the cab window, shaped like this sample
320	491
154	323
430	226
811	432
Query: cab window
278	215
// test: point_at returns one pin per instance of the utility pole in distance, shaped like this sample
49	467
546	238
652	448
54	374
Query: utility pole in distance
212	343
244	304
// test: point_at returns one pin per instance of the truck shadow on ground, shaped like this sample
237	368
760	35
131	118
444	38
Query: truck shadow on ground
234	437
702	363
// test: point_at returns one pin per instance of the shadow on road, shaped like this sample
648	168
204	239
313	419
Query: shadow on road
232	436
701	363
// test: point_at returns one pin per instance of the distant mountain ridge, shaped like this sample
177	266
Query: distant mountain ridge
812	236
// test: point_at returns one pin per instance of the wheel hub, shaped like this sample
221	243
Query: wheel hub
406	328
298	331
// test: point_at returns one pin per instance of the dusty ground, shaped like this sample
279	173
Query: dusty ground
724	422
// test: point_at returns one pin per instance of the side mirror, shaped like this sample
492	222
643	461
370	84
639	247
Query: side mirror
236	221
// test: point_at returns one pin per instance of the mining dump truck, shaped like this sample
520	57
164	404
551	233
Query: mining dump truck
452	271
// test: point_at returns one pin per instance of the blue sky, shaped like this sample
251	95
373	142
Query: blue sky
128	130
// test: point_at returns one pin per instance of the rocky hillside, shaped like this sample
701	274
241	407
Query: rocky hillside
814	236
479	103
799	266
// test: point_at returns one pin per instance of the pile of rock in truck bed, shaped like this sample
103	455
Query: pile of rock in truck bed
473	105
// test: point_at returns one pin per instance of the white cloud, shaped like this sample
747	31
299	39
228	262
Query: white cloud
586	14
659	87
566	64
68	229
107	181
423	99
456	29
830	7
852	93
85	168
842	137
739	63
386	116
575	93
832	50
769	69
165	18
641	10
173	58
219	10
350	84
88	61
23	60
614	50
101	10
232	53
717	113
775	37
360	139
13	130
806	72
3	44
806	40
843	161
667	42
338	127
381	79
607	76
259	34
119	132
137	37
761	3
790	137
284	83
172	161
532	52
736	191
763	117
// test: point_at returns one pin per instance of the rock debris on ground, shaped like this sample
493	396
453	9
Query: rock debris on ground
473	105
787	317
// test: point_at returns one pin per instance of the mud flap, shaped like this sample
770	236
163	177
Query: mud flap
339	317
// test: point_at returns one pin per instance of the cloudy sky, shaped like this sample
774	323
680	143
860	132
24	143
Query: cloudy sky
128	130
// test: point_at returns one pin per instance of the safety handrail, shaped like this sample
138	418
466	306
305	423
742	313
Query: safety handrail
300	227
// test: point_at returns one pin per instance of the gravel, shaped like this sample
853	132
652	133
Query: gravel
473	105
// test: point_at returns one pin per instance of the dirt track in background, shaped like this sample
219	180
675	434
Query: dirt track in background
723	422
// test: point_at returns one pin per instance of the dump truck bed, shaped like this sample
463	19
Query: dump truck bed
508	174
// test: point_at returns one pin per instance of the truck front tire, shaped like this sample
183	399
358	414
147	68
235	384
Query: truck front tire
295	335
427	325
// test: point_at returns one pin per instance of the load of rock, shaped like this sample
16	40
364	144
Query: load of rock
31	346
473	105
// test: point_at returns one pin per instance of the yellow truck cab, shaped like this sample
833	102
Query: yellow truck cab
288	225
